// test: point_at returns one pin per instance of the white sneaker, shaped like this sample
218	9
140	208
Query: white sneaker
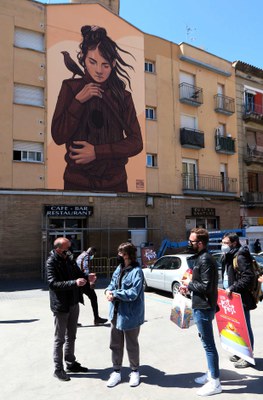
201	380
134	378
211	387
114	379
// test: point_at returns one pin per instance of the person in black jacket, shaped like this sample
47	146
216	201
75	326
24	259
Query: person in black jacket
64	279
239	280
203	289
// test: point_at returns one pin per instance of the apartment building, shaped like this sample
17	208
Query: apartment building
249	101
185	176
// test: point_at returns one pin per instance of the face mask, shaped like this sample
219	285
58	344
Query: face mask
225	248
190	248
120	260
68	254
91	257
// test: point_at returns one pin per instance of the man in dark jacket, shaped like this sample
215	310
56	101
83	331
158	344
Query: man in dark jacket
64	279
203	287
239	278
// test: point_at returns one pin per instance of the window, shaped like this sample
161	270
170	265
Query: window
189	168
151	160
187	78
221	130
150	113
253	102
28	95
137	222
27	39
255	182
188	121
149	66
28	152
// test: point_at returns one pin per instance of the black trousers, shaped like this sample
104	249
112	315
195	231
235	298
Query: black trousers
88	291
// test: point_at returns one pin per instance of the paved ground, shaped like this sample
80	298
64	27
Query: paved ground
170	357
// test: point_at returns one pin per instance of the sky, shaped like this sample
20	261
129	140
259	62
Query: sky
230	29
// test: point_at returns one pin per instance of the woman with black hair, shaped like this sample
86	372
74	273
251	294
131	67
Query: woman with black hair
95	117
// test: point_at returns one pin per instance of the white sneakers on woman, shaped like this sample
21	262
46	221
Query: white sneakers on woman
115	378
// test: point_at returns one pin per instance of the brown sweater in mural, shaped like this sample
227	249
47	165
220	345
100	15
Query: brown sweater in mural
115	134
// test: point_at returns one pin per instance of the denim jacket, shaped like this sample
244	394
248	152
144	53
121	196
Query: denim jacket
128	298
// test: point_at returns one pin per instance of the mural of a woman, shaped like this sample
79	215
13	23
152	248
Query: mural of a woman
96	119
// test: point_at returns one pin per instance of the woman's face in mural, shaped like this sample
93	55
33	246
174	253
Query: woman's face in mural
98	67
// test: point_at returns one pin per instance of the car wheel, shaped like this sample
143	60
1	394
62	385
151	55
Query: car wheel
175	288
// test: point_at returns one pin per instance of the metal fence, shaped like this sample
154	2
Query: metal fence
103	265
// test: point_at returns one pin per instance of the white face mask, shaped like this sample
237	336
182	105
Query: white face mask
225	248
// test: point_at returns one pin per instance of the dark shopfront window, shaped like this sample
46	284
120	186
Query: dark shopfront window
61	223
71	228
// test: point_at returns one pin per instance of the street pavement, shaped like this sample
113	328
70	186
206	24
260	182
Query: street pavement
170	357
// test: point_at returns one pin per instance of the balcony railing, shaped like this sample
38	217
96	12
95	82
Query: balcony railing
190	94
253	112
253	155
208	184
224	144
254	198
224	104
192	138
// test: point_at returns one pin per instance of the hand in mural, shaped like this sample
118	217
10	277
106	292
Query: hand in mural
89	90
84	154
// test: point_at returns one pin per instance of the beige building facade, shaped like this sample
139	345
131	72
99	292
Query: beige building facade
187	174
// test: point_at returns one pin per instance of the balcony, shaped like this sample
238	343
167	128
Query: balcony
224	105
209	185
253	113
253	155
224	144
252	199
192	138
190	94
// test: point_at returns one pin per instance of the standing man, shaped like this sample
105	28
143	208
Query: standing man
83	261
203	287
238	277
126	299
64	279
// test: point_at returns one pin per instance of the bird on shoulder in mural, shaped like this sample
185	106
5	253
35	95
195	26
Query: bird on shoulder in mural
72	65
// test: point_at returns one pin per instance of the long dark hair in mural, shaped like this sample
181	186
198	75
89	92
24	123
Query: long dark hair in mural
95	116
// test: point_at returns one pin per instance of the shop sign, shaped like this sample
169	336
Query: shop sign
68	211
203	212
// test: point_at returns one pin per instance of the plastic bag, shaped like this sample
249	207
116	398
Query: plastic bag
181	312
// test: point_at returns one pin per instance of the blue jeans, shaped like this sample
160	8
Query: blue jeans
249	328
203	320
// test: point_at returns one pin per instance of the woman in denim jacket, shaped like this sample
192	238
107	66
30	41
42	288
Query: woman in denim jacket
126	297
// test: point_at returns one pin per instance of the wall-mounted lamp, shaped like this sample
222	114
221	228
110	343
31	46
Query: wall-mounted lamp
149	201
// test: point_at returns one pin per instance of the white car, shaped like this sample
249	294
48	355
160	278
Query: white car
167	272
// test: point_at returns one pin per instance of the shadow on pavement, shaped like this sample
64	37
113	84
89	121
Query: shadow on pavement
19	321
22	284
246	382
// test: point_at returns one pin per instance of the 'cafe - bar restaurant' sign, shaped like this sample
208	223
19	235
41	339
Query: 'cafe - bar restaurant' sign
68	211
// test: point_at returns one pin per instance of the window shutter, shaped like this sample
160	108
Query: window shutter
27	39
29	95
28	146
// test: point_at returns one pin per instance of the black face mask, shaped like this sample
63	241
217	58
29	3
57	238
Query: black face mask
190	249
120	260
68	254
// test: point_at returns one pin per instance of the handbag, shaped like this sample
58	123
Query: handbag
181	312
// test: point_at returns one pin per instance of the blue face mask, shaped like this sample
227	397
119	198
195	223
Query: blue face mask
91	257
